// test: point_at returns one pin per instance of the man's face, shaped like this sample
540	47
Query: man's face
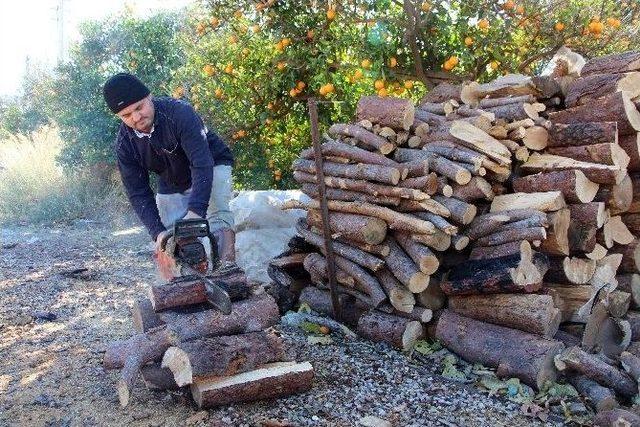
139	115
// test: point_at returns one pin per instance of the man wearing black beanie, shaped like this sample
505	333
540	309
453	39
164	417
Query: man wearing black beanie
168	137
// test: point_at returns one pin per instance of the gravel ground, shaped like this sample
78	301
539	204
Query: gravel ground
55	325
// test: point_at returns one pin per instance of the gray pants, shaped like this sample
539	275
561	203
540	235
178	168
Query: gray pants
174	206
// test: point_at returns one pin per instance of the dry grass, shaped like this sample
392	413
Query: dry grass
35	189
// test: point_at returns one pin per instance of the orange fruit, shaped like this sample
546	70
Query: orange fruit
255	28
379	84
483	24
178	92
408	84
233	39
324	330
453	60
281	65
447	66
310	35
214	21
357	74
468	41
301	85
520	9
330	88
208	70
331	14
228	68
494	65
200	28
270	106
596	27
366	63
218	93
286	42
425	6
242	133
237	13
615	23
293	93
382	92
510	4
393	62
279	46
559	26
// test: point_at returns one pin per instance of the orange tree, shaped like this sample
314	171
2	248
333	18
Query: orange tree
250	66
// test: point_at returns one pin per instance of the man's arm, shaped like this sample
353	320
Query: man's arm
193	138
136	182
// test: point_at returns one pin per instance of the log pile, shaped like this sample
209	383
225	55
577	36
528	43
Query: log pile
501	218
181	341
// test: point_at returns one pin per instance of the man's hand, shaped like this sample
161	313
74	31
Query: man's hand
159	238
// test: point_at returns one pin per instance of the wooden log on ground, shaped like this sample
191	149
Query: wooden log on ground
313	191
367	138
579	134
424	258
359	228
461	212
530	313
630	256
192	291
400	332
606	154
522	272
573	184
315	264
591	366
612	63
158	378
250	315
616	107
588	89
338	149
514	353
547	201
497	251
631	145
320	301
222	356
513	235
396	113
268	382
598	397
477	189
596	172
400	297
378	173
404	268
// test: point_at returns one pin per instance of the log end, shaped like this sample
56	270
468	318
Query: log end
419	282
412	333
123	392
178	362
586	189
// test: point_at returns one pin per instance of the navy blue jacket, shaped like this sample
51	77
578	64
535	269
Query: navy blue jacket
180	149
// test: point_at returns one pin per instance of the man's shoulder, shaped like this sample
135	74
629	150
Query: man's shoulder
172	105
123	137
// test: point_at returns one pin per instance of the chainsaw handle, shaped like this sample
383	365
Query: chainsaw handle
165	239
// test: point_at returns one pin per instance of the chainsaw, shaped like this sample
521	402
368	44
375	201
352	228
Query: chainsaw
185	246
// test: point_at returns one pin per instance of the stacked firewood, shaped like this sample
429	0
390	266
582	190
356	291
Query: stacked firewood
512	203
182	341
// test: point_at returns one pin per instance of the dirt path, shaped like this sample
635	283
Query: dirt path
54	327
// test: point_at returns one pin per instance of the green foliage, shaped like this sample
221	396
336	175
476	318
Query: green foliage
25	113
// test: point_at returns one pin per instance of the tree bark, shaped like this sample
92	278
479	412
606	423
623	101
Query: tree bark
193	291
535	314
338	149
613	63
514	353
618	197
557	240
599	398
222	356
587	89
404	268
616	418
158	378
268	382
320	301
359	228
313	191
514	111
631	145
399	332
441	93
440	241
396	113
427	183
586	219
573	184
630	256
477	189
378	173
460	212
424	258
400	297
579	134
596	172
497	251
605	154
439	222
513	235
362	135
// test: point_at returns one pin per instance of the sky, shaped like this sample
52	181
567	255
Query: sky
29	30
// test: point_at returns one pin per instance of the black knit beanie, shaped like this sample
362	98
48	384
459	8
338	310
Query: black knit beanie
122	90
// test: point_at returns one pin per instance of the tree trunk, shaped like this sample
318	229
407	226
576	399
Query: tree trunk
268	382
514	353
579	134
587	89
616	107
399	332
591	366
393	112
596	172
514	273
378	173
359	228
222	356
530	313
250	315
543	201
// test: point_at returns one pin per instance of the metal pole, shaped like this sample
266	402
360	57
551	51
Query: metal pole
324	210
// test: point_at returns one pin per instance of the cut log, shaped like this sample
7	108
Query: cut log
439	222
320	301
514	353
606	154
365	282
612	63
459	242
617	418
587	90
460	212
614	231
144	316
536	138
604	334
190	292
530	313
618	197
630	283
599	397
497	251
442	92
631	145
399	332
369	139
573	184
440	241
400	297
446	190
578	271
630	256
596	172
526	123
431	205
404	268
496	102
416	168
477	189
513	235
427	184
557	240
250	315
269	382
515	111
338	149
380	250
158	378
586	219
455	153
222	356
616	107
396	113
426	261
313	191
356	255
548	201
420	314
359	228
432	298
480	141
378	173
516	85
579	134
597	253
522	272
289	261
591	366
442	108
315	264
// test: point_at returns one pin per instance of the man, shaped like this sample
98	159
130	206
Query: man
168	137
